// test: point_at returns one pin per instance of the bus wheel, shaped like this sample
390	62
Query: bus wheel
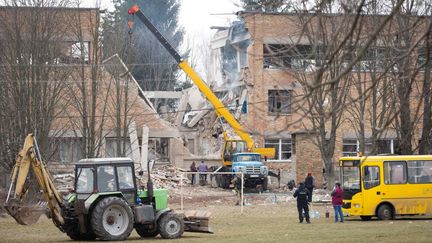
365	218
385	212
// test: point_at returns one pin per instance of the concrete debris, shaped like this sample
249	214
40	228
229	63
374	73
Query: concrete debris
166	176
64	182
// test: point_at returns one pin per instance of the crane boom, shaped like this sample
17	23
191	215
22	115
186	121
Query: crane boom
220	108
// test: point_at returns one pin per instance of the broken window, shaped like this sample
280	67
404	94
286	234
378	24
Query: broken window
283	148
350	147
118	147
66	149
159	149
302	57
279	101
374	59
80	51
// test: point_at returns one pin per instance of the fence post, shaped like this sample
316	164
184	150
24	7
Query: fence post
242	199
181	191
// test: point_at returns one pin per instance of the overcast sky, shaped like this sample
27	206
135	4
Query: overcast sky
197	16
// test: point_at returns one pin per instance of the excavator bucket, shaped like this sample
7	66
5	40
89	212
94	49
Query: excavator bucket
197	221
25	214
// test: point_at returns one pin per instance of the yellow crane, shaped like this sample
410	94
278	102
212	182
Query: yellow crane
246	144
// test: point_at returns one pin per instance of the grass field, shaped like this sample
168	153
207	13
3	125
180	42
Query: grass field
258	223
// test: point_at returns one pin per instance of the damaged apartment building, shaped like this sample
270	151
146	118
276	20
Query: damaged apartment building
256	74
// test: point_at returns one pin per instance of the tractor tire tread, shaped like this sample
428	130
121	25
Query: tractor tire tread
162	224
97	219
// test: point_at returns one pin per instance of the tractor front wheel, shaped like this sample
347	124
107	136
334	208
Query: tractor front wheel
112	219
146	232
171	226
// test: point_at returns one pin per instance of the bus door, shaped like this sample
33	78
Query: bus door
371	188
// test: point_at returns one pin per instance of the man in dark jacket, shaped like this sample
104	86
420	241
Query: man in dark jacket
303	198
309	183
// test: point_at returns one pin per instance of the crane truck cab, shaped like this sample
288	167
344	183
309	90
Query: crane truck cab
254	171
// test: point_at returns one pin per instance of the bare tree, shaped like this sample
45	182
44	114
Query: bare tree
31	79
337	48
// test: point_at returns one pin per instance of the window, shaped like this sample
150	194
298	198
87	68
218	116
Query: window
422	57
77	50
395	172
125	177
159	149
114	144
419	172
371	176
300	57
350	147
66	149
85	180
351	178
283	148
374	59
279	101
106	179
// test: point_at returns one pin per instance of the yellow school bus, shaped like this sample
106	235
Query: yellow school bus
386	186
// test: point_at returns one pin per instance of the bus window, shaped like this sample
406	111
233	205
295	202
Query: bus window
351	178
395	172
371	176
419	171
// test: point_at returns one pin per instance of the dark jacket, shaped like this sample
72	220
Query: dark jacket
309	182
302	194
337	196
193	167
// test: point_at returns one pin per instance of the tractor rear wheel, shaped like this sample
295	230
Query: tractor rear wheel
145	232
171	226
112	219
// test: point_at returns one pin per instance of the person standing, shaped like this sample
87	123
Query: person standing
203	176
309	183
193	169
337	202
303	198
236	181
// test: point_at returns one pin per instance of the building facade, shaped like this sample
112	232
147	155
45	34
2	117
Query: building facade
284	68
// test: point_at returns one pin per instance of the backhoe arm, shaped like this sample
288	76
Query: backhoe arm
29	157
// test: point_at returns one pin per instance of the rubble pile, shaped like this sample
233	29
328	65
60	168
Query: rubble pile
64	182
166	176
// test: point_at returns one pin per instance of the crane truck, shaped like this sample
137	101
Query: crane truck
105	203
238	155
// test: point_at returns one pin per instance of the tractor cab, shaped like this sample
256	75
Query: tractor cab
105	175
